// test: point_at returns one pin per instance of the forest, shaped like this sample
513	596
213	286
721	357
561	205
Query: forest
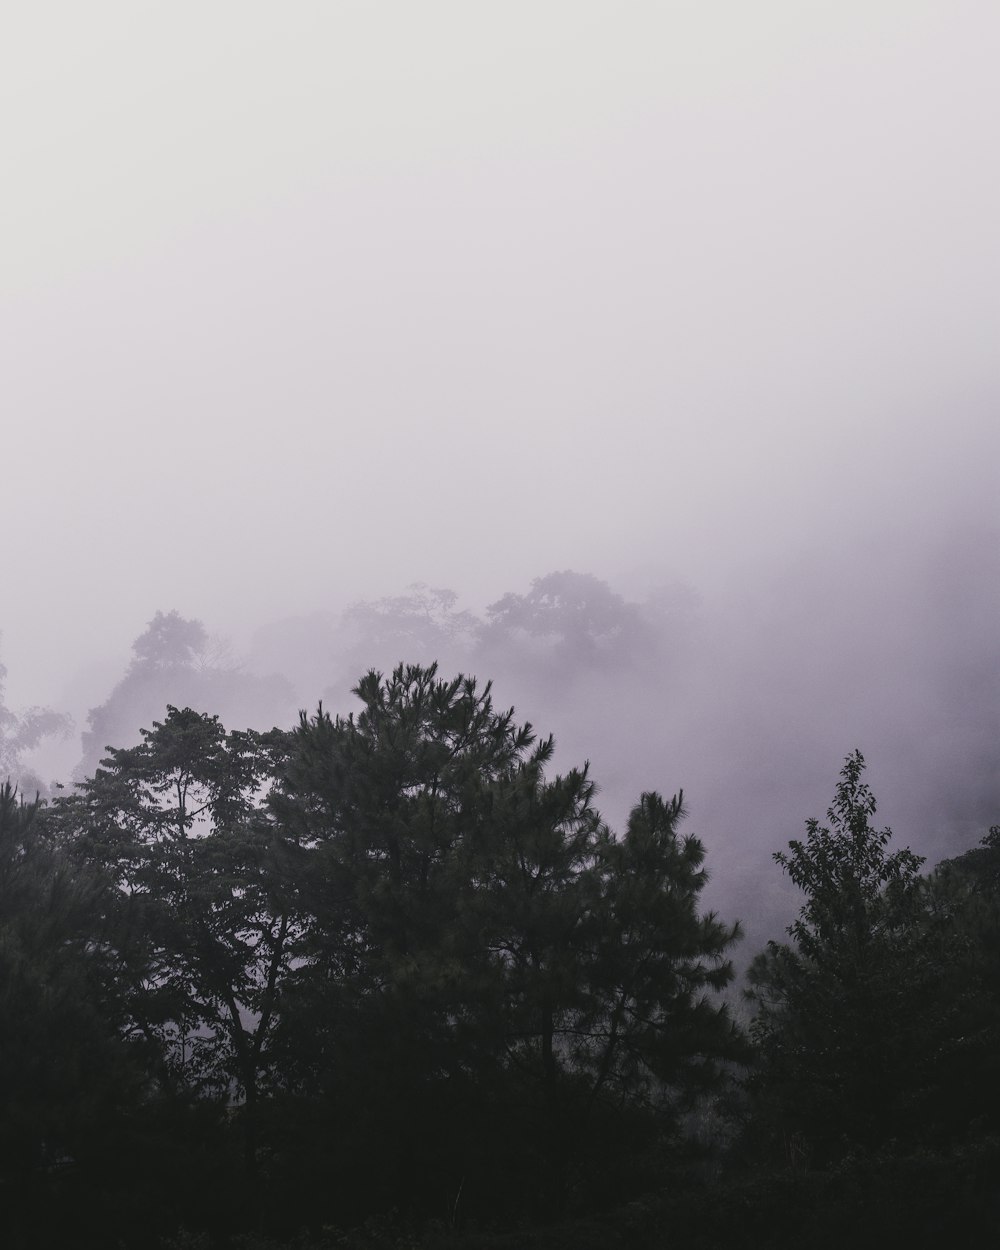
388	978
499	669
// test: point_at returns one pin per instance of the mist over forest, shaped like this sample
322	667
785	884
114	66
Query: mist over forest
745	698
636	363
405	974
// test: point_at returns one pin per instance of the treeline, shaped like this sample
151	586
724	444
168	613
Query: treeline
384	981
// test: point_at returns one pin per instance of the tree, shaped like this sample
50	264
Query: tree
169	642
607	977
854	891
205	899
66	1075
20	733
380	1027
659	1027
979	869
574	617
422	622
842	1020
174	661
963	906
476	937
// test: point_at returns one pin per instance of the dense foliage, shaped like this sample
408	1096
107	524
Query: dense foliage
383	973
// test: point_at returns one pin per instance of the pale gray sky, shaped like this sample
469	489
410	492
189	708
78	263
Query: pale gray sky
306	301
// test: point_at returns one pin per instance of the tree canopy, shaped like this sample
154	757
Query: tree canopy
389	966
861	1016
480	926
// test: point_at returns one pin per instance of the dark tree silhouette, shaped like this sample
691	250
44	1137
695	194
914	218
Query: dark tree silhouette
180	824
851	1048
478	938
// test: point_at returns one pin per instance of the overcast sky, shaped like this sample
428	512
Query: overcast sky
307	301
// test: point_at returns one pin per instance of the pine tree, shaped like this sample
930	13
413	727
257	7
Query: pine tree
477	937
841	1008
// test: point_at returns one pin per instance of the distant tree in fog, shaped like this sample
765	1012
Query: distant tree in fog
575	614
174	661
323	652
420	626
169	642
570	635
20	733
566	629
577	622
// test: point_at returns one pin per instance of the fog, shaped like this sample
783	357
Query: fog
304	305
